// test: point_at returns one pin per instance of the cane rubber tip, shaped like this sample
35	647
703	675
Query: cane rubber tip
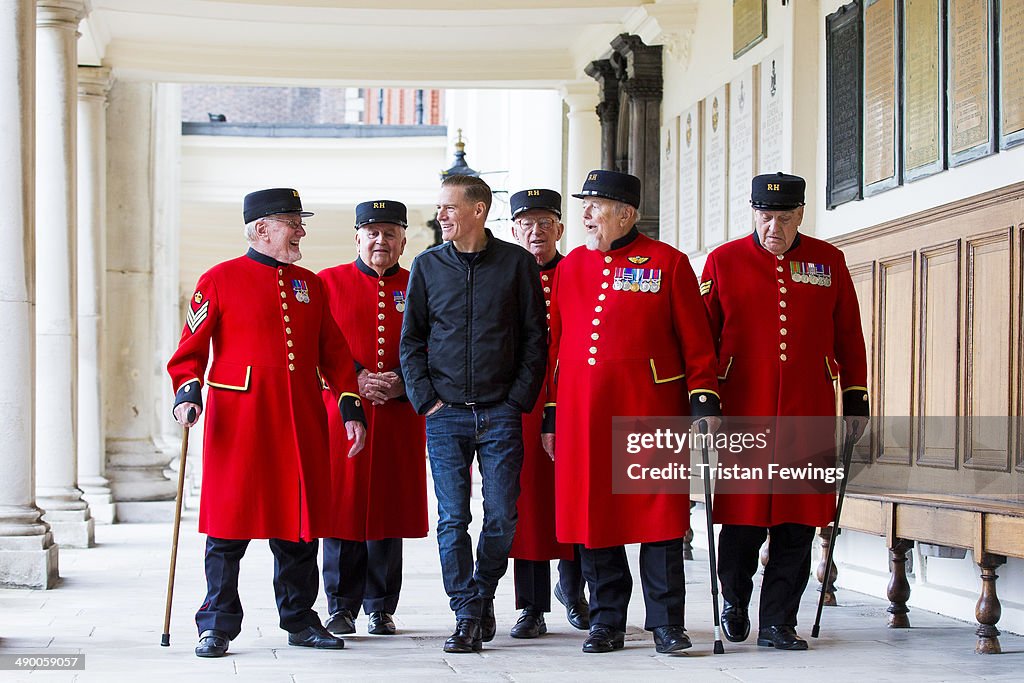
165	640
815	631
719	648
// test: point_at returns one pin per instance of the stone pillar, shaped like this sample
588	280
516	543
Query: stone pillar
93	84
28	556
56	451
584	148
642	88
135	465
603	72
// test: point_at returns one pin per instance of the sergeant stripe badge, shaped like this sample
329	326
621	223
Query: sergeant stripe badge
705	287
810	273
195	318
301	291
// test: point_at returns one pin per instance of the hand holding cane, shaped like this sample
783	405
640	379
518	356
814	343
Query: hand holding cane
847	456
165	638
719	647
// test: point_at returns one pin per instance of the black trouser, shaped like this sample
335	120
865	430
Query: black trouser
661	575
533	582
362	573
295	585
785	575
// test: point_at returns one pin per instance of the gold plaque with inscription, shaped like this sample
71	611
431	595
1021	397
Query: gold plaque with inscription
969	75
879	91
749	25
921	84
1011	45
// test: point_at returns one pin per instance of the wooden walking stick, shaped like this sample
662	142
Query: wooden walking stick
719	647
165	638
847	456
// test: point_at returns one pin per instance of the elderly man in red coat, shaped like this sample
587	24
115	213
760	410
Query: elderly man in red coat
266	472
794	296
627	351
381	496
537	226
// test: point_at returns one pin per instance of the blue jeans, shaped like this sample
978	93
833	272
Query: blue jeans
495	434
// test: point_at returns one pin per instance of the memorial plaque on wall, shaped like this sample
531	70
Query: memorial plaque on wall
749	24
843	72
689	180
923	113
716	189
1011	72
969	51
881	165
669	186
772	96
741	153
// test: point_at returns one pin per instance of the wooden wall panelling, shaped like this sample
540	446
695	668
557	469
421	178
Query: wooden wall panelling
895	358
987	354
938	356
1018	336
863	276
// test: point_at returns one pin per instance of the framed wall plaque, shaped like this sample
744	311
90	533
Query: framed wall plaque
881	97
1011	73
924	116
771	114
843	78
690	180
971	65
749	24
742	152
716	167
669	186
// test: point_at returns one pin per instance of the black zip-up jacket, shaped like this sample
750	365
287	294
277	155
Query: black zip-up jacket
474	331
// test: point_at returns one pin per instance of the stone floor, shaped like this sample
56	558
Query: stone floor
109	607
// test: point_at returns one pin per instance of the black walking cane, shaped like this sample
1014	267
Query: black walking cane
847	456
719	647
165	638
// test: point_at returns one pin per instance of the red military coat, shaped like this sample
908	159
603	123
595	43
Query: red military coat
622	352
265	454
786	327
382	491
535	530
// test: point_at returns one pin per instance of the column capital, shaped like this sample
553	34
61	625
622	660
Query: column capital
94	81
61	13
580	96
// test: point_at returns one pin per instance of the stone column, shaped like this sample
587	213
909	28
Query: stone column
93	84
135	465
584	153
56	83
604	73
28	556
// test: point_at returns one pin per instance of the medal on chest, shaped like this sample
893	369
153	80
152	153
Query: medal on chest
810	273
399	295
647	280
301	291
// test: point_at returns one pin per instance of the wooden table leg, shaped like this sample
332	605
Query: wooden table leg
828	587
898	591
988	609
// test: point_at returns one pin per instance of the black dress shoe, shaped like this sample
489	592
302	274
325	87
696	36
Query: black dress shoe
488	626
604	639
316	637
341	623
578	613
671	639
212	643
466	637
781	637
735	622
381	624
530	625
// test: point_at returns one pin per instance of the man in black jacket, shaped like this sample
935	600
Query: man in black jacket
473	355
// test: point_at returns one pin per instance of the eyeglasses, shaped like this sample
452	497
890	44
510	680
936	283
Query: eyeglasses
293	221
543	224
